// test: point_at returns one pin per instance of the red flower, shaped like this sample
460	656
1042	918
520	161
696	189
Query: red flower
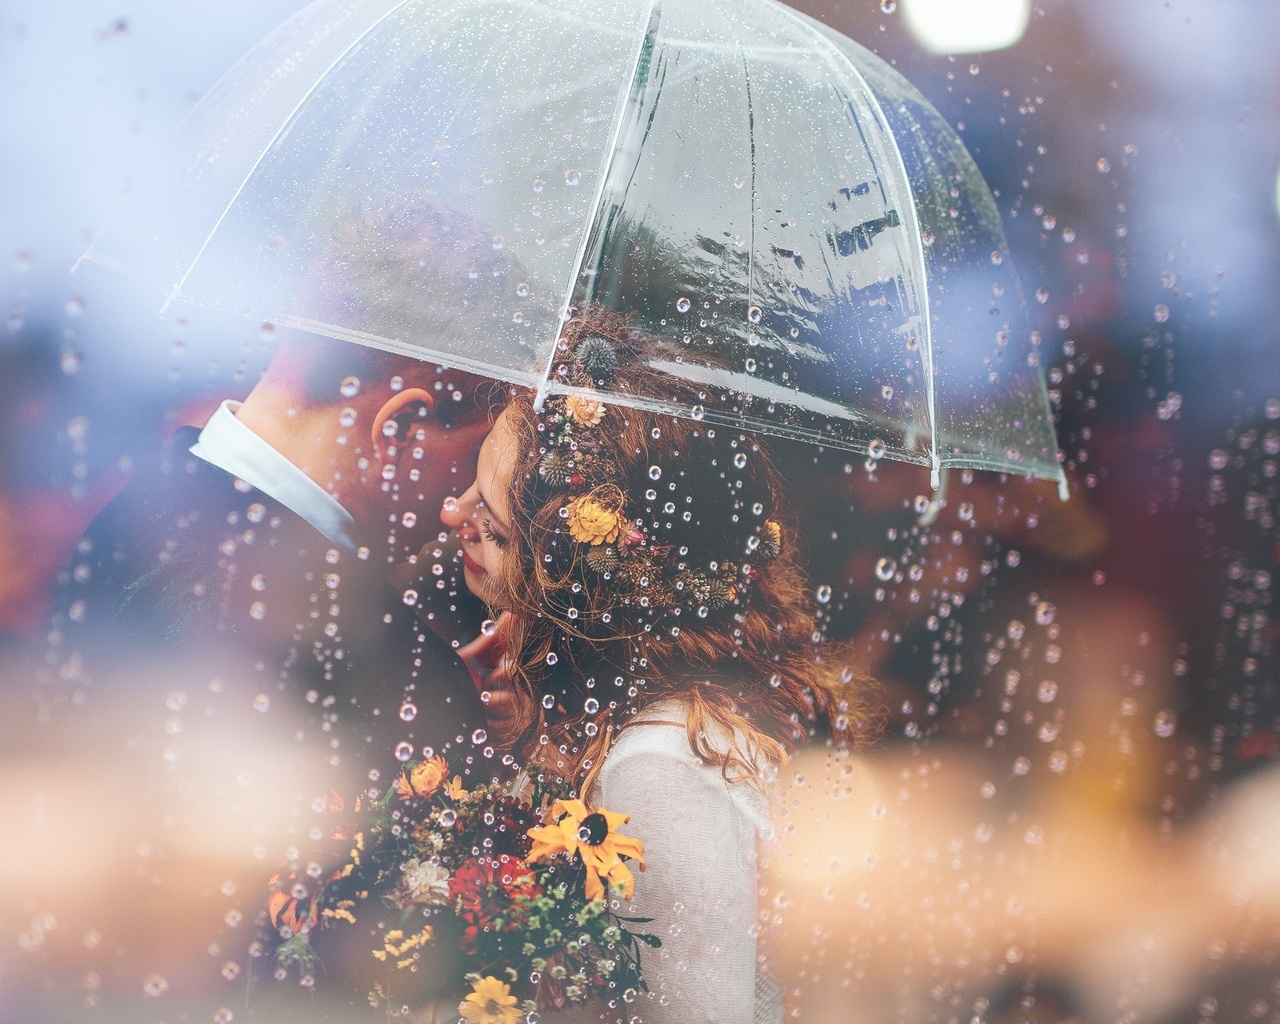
492	895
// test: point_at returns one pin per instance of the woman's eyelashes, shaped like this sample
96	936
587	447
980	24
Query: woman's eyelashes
486	531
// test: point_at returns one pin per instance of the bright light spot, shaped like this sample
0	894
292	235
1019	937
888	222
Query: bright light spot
966	26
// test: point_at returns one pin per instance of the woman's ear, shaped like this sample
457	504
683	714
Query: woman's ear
402	420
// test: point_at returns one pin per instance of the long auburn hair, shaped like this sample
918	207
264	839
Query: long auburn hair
754	676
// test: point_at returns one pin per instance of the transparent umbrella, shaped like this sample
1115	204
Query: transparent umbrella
447	178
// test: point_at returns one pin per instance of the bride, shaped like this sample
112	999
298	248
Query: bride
657	647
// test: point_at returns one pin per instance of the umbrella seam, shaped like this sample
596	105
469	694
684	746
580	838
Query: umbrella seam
834	54
177	288
620	111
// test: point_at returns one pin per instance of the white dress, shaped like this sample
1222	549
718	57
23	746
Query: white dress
700	887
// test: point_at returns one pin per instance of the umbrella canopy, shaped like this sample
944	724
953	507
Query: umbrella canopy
446	178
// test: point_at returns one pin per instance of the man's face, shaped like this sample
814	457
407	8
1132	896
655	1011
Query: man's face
435	462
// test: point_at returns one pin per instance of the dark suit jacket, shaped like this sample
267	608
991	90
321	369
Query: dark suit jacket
194	575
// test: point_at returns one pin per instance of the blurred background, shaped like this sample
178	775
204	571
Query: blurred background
1075	811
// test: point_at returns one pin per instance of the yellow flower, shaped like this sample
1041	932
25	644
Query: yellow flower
593	836
586	412
423	779
592	523
393	947
453	790
490	1002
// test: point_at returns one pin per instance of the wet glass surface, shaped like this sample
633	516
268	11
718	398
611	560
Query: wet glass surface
1072	811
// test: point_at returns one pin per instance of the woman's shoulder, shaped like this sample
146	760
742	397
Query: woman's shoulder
655	746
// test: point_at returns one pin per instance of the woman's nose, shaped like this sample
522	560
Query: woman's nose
457	512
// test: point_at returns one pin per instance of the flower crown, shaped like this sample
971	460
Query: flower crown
597	512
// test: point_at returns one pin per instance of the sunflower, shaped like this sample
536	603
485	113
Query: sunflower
593	836
490	1002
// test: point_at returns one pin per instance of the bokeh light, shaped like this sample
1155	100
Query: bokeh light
966	26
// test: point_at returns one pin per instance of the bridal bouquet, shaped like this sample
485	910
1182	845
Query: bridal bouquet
473	888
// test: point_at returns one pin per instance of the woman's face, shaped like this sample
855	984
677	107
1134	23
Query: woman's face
481	516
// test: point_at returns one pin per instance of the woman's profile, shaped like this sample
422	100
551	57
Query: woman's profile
662	657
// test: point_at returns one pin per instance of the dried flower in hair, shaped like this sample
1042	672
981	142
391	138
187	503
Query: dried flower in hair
586	412
770	540
555	469
598	358
602	559
592	523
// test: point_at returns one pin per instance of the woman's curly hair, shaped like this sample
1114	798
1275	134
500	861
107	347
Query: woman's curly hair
587	655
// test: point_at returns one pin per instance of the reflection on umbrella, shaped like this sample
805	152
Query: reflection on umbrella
740	179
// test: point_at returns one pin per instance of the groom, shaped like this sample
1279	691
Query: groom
255	556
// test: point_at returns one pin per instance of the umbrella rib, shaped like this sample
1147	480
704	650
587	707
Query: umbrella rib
908	214
285	123
629	86
751	140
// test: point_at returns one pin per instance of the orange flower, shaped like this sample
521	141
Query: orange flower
593	836
423	779
283	910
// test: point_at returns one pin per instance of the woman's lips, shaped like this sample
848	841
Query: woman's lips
472	564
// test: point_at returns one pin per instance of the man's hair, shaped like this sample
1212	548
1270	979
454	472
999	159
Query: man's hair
324	372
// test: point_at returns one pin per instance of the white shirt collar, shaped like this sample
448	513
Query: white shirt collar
228	444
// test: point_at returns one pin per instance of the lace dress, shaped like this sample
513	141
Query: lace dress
700	888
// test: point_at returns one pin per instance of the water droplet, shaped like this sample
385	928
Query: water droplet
488	627
740	460
448	816
823	594
697	412
572	177
410	597
408	712
739	181
888	6
409	520
1047	691
404	751
876	449
479	736
1165	723
552	657
655	472
754	314
1021	766
350	387
591	705
156	985
1045	613
884	569
498	243
683	304
1162	313
1104	165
